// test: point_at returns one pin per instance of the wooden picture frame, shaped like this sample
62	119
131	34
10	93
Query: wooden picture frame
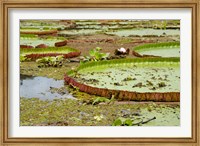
193	4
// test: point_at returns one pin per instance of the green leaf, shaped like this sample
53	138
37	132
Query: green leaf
23	58
105	55
98	49
117	122
92	52
100	99
122	122
59	58
128	122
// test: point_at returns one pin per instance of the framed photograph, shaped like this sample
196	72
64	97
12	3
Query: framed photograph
98	72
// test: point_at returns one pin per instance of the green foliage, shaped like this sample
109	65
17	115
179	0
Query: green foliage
36	28
123	62
50	61
122	122
126	61
96	55
47	50
46	28
164	25
157	45
36	112
100	99
23	58
129	79
103	99
28	36
161	84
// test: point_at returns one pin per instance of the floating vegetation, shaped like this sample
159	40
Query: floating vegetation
68	112
141	32
140	89
129	79
95	55
28	36
149	83
103	86
131	62
23	58
161	84
138	85
35	41
121	121
50	61
168	49
38	32
100	99
36	53
118	84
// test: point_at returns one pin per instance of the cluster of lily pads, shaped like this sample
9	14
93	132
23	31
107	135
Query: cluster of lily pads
105	75
96	70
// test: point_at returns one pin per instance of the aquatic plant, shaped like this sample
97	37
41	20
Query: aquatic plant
23	58
96	55
164	24
157	50
60	44
26	46
36	53
157	45
38	32
41	46
50	61
100	99
124	62
122	122
36	112
28	36
124	94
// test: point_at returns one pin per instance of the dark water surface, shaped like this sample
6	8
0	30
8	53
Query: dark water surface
41	87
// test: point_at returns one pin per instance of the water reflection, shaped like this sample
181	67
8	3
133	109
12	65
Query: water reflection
41	87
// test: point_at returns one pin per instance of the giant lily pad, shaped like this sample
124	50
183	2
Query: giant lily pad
35	53
169	49
36	41
155	79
